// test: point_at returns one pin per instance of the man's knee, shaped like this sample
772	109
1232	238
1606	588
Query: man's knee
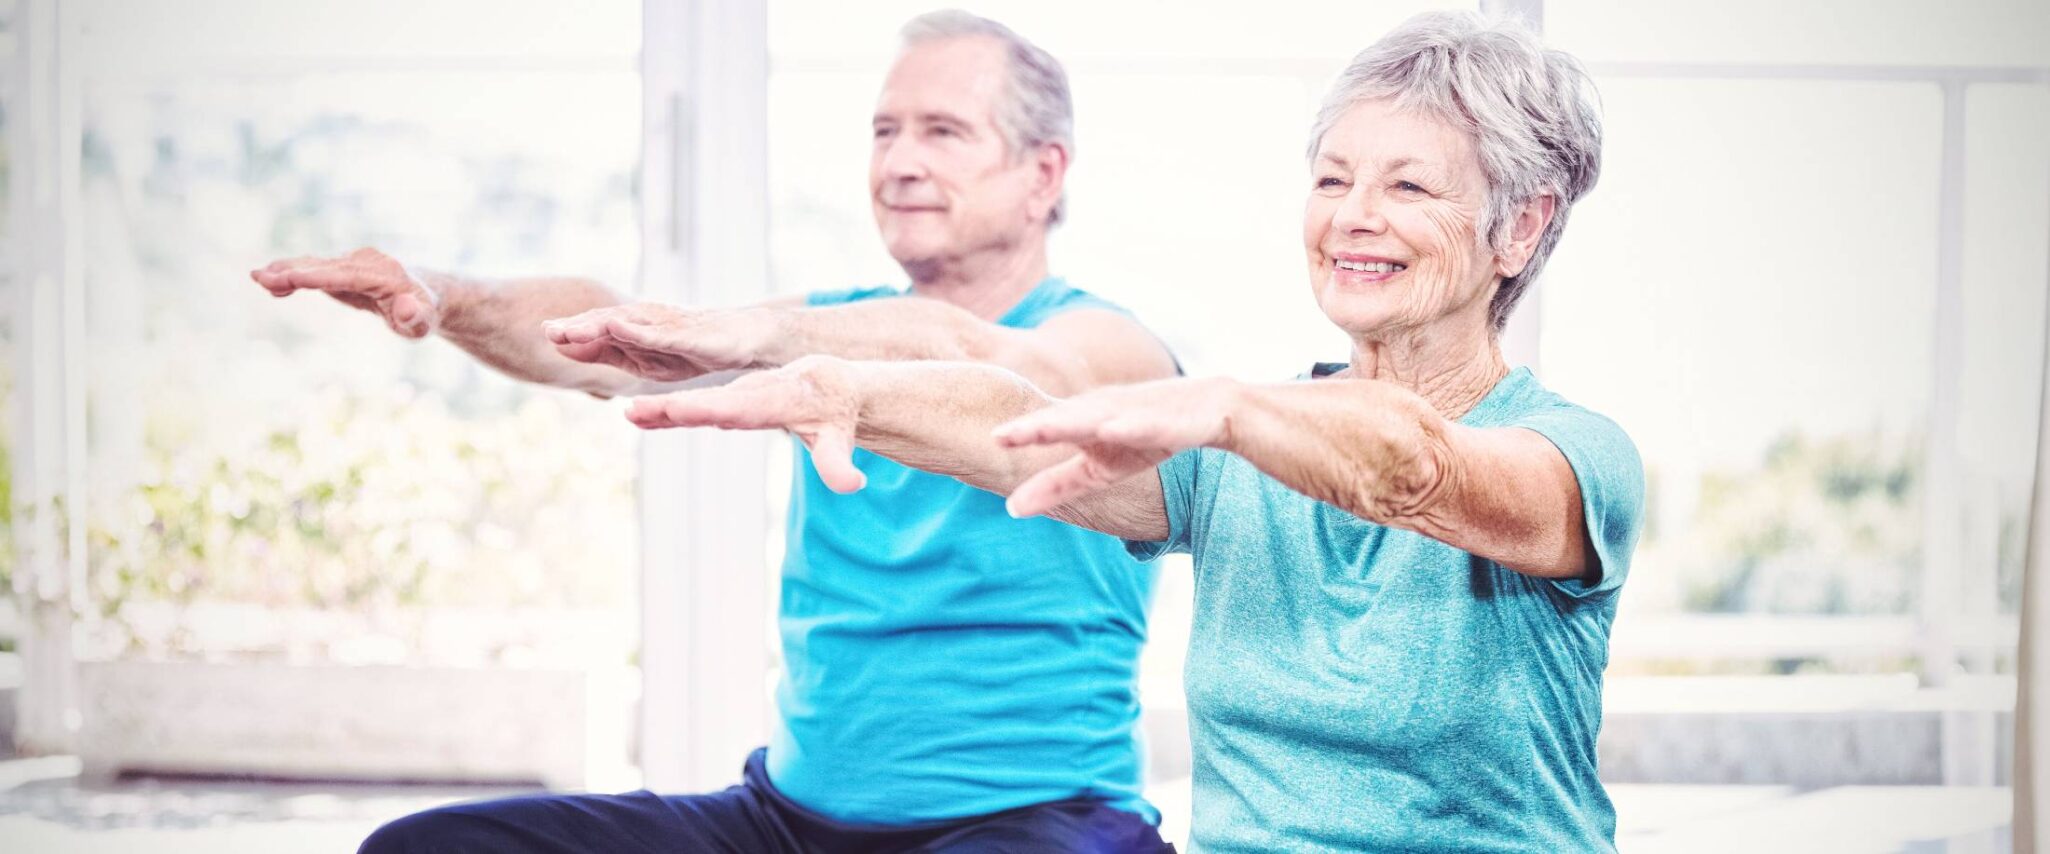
441	831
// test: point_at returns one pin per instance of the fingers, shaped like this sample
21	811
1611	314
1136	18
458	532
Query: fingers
351	300
635	334
273	276
730	407
1170	431
832	454
1059	484
359	281
276	283
332	278
1057	424
665	410
752	404
578	328
595	352
283	264
409	316
602	324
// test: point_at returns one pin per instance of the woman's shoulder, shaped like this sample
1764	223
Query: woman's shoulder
1594	444
1521	397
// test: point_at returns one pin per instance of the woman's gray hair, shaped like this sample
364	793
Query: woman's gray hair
1530	110
1037	109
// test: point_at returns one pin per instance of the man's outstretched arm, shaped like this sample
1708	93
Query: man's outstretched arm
933	416
1070	353
497	321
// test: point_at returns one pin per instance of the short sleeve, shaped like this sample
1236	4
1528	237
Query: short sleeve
1083	300
847	295
1611	478
1177	487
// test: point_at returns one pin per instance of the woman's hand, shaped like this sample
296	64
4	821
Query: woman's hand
814	398
665	343
1118	432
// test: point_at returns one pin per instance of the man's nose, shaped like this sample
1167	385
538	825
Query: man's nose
902	160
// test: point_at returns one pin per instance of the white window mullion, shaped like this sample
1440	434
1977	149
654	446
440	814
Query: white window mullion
704	508
2031	761
44	133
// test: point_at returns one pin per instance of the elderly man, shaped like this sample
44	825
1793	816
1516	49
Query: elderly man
954	679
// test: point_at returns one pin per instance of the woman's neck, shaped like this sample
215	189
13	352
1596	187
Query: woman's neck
1452	369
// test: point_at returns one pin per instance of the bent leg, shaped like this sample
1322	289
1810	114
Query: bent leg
729	821
1083	827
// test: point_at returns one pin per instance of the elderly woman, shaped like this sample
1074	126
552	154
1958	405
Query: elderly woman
1406	566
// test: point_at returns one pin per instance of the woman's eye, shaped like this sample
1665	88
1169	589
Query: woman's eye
1408	187
1323	183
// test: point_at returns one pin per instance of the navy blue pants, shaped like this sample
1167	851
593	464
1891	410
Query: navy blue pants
751	818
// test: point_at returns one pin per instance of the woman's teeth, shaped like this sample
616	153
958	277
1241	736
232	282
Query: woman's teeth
1378	267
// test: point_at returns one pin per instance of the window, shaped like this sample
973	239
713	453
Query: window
293	455
2006	264
1811	284
1778	373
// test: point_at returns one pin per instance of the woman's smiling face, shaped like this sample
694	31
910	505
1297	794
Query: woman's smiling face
1390	229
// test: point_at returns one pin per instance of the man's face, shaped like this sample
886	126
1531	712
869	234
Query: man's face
943	183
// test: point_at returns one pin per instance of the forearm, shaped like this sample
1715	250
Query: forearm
499	322
913	328
1343	444
1388	457
939	417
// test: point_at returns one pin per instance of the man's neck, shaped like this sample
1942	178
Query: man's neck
985	286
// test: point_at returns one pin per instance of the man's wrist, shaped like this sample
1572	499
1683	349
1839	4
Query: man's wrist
774	343
450	296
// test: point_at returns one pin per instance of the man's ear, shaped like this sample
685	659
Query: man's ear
1050	177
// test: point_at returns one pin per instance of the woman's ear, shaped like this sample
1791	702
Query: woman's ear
1524	232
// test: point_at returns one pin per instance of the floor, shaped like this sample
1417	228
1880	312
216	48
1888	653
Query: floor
46	808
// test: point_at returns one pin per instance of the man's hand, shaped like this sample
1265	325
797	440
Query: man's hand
366	279
814	398
665	343
1117	432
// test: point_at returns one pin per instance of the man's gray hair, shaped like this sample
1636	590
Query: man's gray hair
1531	112
1036	109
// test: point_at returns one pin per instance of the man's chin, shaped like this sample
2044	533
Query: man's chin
911	251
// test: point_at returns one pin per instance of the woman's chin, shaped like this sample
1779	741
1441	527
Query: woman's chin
1357	314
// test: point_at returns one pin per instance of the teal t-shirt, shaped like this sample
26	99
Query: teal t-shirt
1354	687
942	659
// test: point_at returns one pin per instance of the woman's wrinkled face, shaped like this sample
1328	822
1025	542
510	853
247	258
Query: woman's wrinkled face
1391	225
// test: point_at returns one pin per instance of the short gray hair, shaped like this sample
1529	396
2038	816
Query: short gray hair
1531	112
1036	109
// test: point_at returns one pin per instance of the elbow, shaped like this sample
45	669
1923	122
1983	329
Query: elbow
1415	489
1055	372
1058	375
